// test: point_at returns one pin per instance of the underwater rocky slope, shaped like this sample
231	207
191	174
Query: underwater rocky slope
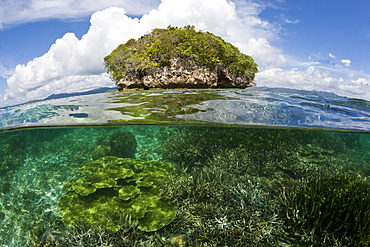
184	186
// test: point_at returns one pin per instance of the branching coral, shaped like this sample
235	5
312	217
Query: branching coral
327	210
218	209
256	151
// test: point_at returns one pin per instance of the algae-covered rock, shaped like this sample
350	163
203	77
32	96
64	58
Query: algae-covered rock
100	151
119	144
112	185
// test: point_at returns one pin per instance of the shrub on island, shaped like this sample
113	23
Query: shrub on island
180	58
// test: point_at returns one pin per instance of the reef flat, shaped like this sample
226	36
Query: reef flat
219	186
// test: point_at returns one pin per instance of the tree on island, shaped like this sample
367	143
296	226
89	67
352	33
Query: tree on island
159	49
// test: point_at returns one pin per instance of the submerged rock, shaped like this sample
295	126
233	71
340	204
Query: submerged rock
5	188
119	144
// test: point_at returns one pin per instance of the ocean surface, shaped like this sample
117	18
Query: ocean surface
253	167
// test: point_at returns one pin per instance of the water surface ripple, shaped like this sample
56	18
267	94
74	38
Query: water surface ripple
252	106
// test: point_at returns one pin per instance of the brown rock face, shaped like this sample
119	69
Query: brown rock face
184	74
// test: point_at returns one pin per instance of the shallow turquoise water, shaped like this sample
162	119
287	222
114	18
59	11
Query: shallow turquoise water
247	151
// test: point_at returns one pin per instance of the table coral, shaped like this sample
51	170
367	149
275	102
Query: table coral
118	185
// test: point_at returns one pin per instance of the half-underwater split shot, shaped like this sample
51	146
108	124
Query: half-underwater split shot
166	170
184	123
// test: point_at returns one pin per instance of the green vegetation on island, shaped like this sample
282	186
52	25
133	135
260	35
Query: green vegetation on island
154	50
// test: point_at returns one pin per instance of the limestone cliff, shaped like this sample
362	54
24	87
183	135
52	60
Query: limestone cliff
184	74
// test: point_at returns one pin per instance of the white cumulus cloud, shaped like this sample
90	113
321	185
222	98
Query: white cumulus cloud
74	65
264	53
20	11
73	61
314	79
346	62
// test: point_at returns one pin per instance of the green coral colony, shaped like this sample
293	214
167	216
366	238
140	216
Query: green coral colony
115	185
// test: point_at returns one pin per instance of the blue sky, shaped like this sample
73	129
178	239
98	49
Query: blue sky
57	46
322	27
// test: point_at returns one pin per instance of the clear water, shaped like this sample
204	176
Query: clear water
256	167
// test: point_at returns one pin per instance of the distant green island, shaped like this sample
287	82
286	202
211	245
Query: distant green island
180	58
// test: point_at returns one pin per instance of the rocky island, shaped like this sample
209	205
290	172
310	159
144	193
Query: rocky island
179	58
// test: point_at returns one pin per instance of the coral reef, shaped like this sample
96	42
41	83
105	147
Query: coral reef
225	163
119	144
118	184
276	149
37	182
276	164
218	208
316	154
327	211
228	187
